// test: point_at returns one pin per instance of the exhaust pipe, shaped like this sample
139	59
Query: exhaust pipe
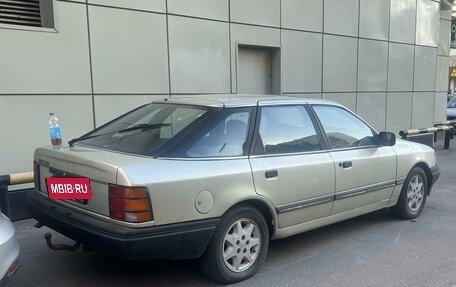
66	247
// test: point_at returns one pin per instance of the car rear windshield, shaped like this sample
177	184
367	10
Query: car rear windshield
144	130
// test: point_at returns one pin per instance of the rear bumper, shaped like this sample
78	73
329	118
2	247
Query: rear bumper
174	241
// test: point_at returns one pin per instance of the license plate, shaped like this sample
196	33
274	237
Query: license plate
72	188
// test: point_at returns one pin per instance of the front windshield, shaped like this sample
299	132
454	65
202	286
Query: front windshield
144	130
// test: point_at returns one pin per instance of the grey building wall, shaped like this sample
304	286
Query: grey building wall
387	60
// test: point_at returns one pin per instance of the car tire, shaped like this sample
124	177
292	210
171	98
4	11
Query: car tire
413	195
238	247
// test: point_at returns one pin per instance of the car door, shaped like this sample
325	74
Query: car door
365	171
290	166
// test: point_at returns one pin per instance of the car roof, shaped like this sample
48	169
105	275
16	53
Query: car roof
242	100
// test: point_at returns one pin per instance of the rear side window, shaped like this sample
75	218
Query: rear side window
224	136
286	129
343	129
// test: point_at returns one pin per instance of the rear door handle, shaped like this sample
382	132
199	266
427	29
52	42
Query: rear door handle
271	173
345	164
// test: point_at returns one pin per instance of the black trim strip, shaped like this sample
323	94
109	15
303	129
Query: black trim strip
400	181
304	203
339	195
364	189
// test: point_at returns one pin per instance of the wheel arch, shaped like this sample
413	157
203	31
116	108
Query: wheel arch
427	171
264	208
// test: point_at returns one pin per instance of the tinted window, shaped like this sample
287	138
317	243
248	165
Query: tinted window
286	129
145	129
452	103
343	129
225	135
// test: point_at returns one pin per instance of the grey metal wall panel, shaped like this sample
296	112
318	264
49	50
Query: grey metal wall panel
443	46
372	108
341	17
305	95
301	60
302	14
346	99
259	12
400	67
339	63
110	107
374	19
372	65
75	118
427	22
402	21
146	5
199	56
422	114
33	62
440	112
446	8
443	65
398	111
124	60
247	34
425	68
210	9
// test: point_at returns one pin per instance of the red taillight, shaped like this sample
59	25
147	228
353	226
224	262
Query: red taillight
12	268
131	204
36	175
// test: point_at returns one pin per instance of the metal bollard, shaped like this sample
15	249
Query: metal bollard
451	123
448	136
448	133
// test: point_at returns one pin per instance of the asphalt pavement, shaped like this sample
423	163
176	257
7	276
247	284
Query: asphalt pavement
372	250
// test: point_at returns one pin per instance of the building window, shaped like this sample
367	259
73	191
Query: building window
32	13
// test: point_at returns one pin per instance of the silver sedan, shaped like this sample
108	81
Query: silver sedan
9	250
216	178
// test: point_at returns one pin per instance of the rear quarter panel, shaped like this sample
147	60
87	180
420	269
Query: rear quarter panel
174	185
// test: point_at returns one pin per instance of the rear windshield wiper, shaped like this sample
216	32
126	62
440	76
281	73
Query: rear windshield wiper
136	127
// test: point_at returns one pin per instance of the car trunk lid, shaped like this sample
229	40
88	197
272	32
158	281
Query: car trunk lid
99	166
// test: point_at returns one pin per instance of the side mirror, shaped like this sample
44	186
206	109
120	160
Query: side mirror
386	139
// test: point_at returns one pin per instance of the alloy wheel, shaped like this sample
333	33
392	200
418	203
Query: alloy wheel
415	193
241	245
